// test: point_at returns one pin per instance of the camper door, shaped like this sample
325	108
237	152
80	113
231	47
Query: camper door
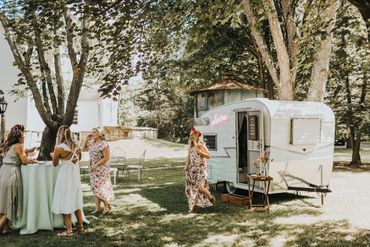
249	142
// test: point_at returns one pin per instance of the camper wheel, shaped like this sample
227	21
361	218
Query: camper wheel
230	188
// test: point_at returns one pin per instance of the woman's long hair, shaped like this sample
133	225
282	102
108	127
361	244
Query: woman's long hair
13	138
64	135
194	138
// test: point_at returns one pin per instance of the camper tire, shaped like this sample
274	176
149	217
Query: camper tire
230	188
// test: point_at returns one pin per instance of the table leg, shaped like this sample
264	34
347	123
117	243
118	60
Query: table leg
251	197
249	193
266	202
267	196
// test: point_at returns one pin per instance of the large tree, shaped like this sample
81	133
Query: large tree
188	44
293	25
56	45
348	85
291	40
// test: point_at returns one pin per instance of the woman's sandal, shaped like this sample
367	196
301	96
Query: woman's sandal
80	229
6	230
106	210
65	233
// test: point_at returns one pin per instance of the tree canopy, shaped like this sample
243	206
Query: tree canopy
60	45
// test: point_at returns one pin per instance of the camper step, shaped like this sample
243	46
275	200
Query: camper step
235	199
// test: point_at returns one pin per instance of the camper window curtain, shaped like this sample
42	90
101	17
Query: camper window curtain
241	116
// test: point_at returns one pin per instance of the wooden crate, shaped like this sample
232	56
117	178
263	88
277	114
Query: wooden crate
235	199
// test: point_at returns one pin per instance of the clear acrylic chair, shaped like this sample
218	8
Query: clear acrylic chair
118	155
137	168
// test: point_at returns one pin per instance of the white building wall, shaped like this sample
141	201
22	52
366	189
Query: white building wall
34	121
87	112
16	112
109	111
93	111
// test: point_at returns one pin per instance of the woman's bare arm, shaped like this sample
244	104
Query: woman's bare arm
22	154
56	156
203	151
106	157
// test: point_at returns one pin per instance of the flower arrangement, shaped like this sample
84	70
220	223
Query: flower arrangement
263	161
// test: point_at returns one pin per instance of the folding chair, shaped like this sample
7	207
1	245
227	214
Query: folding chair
138	168
118	157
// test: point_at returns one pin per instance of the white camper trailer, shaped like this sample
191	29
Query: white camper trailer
299	136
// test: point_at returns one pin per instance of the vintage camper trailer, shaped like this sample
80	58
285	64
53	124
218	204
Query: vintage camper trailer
298	135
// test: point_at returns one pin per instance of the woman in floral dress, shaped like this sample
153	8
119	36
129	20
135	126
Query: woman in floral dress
100	181
196	185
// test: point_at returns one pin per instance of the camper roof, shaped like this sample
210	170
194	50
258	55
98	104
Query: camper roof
288	109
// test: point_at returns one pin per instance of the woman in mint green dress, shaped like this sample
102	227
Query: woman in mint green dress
11	191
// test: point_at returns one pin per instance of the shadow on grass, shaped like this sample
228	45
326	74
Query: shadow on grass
154	213
92	237
329	234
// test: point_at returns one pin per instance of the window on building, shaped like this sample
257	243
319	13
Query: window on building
211	142
75	117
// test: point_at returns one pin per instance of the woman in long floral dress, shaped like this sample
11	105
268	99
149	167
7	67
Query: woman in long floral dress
100	181
196	185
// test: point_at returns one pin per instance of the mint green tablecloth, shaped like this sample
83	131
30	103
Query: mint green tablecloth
38	188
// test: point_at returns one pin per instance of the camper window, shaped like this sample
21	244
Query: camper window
211	142
305	131
215	98
201	103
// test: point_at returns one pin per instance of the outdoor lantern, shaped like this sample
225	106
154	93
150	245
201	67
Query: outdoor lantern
3	103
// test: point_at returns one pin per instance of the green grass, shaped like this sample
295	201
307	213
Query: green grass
154	213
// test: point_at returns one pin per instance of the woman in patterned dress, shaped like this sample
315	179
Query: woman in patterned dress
196	185
99	167
11	189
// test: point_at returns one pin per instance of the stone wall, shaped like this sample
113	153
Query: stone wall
119	133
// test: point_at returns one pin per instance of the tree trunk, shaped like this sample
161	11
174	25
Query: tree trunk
320	69
285	87
356	158
47	143
259	40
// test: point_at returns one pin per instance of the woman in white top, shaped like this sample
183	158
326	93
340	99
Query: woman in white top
67	197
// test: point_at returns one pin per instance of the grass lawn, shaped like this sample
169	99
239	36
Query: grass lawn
154	213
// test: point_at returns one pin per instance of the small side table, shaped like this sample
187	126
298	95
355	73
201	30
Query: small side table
266	203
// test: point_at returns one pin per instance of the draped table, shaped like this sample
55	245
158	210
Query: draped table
38	189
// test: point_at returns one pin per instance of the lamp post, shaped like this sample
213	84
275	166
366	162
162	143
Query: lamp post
3	106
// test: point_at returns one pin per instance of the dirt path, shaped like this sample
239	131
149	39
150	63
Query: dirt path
155	149
349	200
